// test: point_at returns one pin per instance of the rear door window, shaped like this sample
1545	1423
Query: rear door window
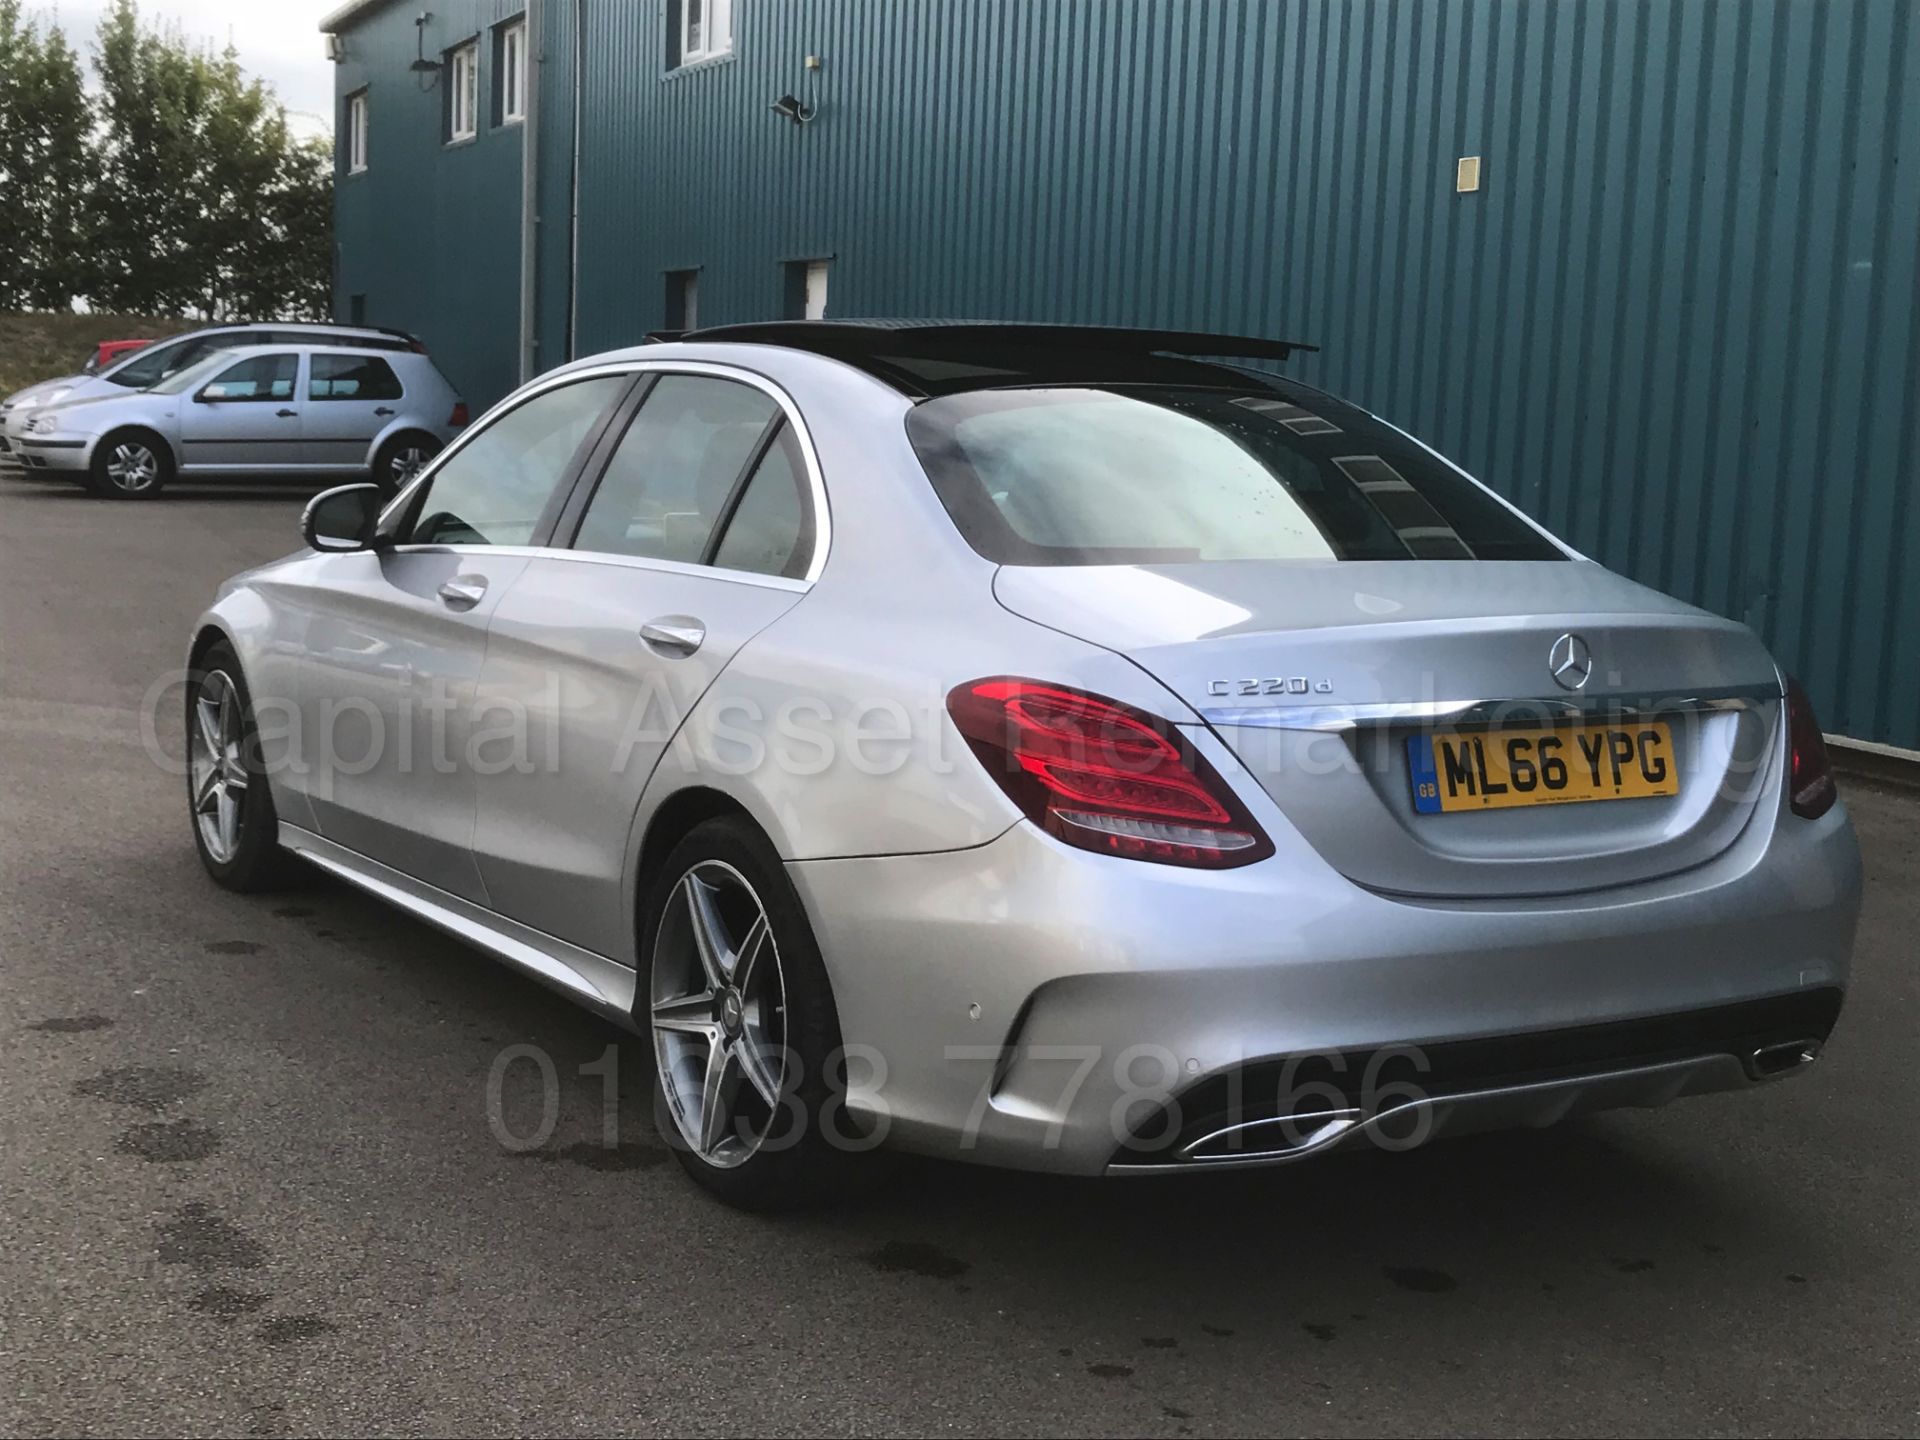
771	529
668	485
1169	474
353	377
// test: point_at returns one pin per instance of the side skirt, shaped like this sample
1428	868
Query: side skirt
602	985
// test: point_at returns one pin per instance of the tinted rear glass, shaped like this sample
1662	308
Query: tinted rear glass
1159	475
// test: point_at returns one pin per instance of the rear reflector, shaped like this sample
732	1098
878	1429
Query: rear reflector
1810	787
460	418
1104	776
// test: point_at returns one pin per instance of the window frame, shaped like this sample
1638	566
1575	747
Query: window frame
686	54
510	54
357	112
465	55
568	504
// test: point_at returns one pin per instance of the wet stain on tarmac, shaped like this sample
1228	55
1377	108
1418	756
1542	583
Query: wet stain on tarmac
292	1329
1632	1267
169	1142
1322	1333
201	1237
1159	1342
1425	1282
293	912
223	1302
913	1257
1219	1332
232	947
71	1024
143	1087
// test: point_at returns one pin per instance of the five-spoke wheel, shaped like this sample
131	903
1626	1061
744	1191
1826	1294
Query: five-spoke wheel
217	767
719	1014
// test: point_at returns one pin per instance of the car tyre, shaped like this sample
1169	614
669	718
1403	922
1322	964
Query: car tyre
130	465
728	959
402	458
229	804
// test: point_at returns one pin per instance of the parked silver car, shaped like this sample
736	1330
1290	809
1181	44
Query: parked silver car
262	410
1044	746
151	364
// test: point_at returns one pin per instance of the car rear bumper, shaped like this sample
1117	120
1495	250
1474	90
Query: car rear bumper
1027	1004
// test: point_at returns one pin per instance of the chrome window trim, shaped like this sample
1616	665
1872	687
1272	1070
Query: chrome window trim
623	562
816	484
1335	718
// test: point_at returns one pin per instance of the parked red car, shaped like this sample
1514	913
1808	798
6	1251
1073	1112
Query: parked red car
112	350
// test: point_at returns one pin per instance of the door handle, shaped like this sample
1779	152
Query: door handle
386	410
287	414
675	636
463	592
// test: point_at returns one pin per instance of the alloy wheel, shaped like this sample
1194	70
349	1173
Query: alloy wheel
216	766
133	467
718	1007
407	463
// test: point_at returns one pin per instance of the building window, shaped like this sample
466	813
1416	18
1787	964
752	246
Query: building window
356	309
356	132
510	71
683	300
463	92
806	289
706	30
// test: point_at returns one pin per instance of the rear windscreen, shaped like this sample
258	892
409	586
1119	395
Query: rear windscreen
1159	475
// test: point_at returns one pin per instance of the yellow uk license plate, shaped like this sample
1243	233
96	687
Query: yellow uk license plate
1553	765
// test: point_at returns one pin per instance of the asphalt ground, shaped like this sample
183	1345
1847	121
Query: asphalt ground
249	1182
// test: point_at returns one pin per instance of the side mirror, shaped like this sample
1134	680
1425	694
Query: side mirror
341	520
205	396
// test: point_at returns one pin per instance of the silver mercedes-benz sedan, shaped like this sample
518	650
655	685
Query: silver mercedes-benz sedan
1064	748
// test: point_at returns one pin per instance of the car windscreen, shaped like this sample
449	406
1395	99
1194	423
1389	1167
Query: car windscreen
1144	475
147	367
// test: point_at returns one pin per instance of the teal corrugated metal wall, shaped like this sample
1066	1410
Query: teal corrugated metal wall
430	234
1678	323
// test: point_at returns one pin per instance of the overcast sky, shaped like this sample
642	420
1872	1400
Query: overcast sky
278	40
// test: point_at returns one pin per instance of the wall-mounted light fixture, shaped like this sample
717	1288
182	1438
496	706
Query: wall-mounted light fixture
421	64
336	49
791	107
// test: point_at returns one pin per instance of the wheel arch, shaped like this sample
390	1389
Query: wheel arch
161	443
390	438
672	820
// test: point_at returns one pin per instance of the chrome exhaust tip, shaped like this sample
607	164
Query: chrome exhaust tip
1771	1062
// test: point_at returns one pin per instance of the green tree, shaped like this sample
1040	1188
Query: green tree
44	164
205	203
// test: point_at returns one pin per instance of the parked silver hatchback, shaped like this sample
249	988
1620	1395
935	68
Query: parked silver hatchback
263	410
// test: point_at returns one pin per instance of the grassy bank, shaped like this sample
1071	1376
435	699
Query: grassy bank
39	347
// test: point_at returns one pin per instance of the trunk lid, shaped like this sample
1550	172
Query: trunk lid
1317	673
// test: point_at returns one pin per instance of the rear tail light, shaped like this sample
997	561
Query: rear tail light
419	347
1104	776
1810	788
460	418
